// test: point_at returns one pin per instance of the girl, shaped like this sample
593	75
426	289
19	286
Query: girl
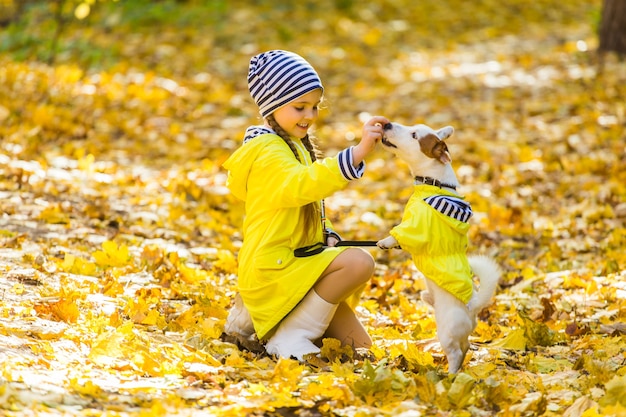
292	301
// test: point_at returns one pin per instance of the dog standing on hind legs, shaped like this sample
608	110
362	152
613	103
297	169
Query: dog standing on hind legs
434	230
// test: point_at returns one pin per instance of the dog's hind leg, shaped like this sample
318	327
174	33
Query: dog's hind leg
454	342
454	326
453	338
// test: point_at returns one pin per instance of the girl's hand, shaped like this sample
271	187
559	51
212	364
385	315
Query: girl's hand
332	241
372	134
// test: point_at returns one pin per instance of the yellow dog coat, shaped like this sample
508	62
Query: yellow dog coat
434	231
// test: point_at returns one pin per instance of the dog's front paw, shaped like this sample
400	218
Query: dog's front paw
387	243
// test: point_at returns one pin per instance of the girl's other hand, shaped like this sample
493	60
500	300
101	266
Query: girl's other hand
372	134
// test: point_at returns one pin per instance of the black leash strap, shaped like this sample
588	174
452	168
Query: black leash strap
357	243
319	247
305	251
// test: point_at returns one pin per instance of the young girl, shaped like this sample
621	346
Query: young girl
292	301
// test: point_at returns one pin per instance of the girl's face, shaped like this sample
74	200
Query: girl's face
298	116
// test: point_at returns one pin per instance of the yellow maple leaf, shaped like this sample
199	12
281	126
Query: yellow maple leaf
378	351
76	265
612	410
66	309
152	318
515	340
485	332
382	384
108	346
460	392
332	349
235	360
543	364
150	363
192	275
211	328
327	385
287	372
54	215
415	356
226	261
482	370
538	333
615	390
112	254
85	387
63	306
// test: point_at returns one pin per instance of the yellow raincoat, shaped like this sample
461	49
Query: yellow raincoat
437	242
275	187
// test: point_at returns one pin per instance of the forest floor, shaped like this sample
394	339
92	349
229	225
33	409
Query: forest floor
119	238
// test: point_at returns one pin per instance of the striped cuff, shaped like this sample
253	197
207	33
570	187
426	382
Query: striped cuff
331	233
348	170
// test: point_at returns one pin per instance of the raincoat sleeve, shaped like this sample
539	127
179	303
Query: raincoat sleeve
286	182
413	234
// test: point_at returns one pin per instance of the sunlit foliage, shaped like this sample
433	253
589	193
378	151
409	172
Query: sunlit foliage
119	239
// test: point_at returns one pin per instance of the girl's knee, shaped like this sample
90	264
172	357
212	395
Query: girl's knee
362	263
352	269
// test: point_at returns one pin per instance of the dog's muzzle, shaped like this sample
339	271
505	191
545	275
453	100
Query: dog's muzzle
384	140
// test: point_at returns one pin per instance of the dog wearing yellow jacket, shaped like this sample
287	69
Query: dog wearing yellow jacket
434	231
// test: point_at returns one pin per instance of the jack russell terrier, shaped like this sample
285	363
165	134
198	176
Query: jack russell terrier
434	231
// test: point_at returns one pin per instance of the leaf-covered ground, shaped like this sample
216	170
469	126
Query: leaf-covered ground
118	238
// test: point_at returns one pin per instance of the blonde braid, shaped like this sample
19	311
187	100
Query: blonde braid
312	212
311	146
283	134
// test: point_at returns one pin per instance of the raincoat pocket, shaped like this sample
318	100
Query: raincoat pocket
277	259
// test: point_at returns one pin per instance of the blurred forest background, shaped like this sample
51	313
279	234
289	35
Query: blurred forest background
118	237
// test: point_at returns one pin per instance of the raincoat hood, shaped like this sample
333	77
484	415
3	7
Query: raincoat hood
240	162
451	209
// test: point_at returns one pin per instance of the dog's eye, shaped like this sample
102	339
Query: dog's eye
414	135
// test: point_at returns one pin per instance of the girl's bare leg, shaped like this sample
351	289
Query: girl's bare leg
345	275
346	327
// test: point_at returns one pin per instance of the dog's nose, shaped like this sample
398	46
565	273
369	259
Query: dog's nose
387	126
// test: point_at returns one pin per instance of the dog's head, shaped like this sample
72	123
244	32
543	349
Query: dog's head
413	143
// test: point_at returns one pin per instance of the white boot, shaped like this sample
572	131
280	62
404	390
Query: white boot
306	323
239	321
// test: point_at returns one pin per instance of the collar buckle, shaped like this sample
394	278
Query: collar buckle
432	181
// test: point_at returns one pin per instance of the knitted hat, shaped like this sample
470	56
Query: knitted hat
276	78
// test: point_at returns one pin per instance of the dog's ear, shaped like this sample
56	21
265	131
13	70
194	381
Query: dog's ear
445	132
440	151
435	148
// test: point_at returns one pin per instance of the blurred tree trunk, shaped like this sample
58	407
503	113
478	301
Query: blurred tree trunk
613	28
60	21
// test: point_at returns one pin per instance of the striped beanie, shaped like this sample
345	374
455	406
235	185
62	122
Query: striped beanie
276	78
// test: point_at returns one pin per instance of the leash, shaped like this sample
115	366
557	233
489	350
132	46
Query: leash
357	243
319	247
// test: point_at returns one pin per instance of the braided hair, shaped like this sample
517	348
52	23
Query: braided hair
312	211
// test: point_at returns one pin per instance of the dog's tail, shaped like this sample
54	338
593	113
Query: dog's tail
488	273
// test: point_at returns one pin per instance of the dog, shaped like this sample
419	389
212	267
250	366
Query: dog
434	230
